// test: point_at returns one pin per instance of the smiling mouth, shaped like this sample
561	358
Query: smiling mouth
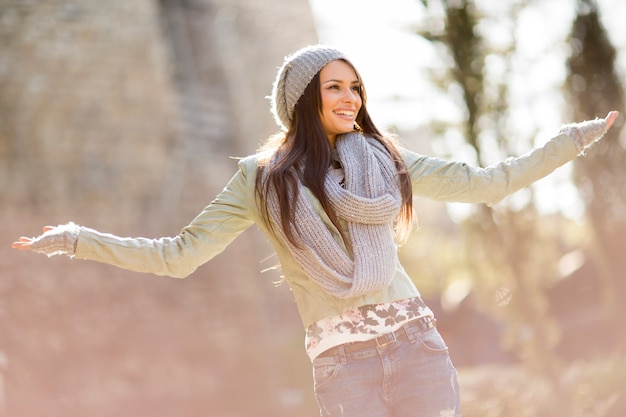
345	113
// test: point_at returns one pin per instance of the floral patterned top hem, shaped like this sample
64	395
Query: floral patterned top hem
362	323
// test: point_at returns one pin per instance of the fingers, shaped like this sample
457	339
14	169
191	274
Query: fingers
23	243
611	117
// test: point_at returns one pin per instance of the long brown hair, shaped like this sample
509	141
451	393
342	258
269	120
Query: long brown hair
303	153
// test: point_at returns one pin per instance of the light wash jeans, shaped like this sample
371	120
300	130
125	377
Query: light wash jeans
411	376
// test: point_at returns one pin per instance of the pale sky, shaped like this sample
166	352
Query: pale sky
379	38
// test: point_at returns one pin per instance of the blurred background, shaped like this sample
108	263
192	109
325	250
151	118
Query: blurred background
124	116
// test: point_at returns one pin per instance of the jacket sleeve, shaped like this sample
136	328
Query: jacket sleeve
225	218
459	182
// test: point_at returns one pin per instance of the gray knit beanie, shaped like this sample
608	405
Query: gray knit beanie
294	76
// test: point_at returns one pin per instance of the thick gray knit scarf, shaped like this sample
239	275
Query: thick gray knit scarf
370	201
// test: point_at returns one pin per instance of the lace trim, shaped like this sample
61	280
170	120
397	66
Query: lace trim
362	323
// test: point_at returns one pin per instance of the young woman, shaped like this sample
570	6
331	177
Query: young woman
334	196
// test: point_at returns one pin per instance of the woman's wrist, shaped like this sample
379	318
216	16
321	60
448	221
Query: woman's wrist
60	240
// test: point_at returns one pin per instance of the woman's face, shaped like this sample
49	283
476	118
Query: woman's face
341	99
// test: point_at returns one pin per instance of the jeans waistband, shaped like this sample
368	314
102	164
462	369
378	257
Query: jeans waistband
419	325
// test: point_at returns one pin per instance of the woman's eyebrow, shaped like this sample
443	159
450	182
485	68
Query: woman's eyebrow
340	81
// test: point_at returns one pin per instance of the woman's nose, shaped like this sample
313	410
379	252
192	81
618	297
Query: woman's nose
350	95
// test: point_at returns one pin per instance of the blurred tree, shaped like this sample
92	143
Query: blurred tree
595	89
511	249
506	246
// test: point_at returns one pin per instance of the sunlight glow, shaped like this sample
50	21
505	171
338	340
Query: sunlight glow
396	65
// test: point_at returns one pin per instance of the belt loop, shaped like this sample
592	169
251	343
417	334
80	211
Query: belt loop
409	334
386	339
421	325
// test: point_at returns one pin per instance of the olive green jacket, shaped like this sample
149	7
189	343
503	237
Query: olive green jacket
235	209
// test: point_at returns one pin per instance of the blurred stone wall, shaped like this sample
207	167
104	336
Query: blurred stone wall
86	103
122	116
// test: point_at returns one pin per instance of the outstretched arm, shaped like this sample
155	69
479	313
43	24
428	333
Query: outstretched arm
460	182
232	212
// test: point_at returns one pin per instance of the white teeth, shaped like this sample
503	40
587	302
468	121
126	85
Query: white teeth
345	113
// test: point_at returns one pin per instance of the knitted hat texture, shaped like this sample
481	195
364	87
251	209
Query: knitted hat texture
294	76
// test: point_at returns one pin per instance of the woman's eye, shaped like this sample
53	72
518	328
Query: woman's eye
355	88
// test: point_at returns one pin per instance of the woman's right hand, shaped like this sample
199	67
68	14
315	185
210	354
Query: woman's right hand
25	243
55	240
